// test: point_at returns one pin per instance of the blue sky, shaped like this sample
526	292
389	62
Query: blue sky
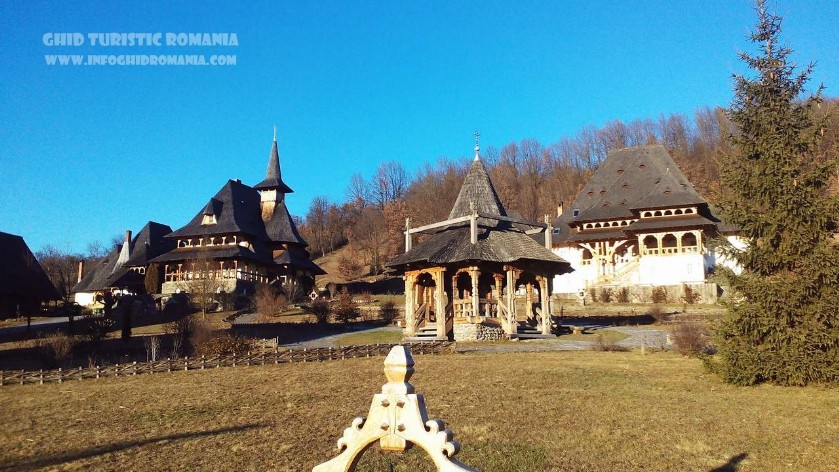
89	151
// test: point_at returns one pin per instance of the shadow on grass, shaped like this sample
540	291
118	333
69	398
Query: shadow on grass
74	455
292	333
733	463
617	320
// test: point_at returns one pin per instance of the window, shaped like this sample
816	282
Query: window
576	212
209	220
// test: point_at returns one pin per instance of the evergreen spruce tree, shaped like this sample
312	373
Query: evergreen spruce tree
783	323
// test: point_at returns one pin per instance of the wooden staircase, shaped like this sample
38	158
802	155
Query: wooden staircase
530	332
425	334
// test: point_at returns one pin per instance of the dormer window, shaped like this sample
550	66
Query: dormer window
576	212
209	220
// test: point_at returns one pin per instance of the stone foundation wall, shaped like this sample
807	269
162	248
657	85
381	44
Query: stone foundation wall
707	293
477	332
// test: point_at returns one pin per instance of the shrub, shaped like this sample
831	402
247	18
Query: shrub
344	307
152	345
600	344
223	344
98	329
388	312
186	334
269	301
659	295
320	309
691	339
623	295
55	348
294	291
592	293
690	295
656	313
606	295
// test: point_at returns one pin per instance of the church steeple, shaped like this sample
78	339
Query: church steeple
273	176
272	190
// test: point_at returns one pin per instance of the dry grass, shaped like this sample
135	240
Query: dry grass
569	411
591	335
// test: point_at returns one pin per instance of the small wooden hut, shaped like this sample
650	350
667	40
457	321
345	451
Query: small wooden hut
479	274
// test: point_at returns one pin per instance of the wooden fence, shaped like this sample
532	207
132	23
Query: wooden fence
277	356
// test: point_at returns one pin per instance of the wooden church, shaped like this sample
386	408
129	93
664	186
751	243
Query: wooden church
243	235
479	274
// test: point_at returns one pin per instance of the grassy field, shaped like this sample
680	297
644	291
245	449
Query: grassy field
369	337
568	411
592	335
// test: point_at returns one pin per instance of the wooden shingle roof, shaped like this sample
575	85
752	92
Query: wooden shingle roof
498	240
21	276
110	271
628	181
273	176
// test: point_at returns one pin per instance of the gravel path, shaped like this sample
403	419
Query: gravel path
638	336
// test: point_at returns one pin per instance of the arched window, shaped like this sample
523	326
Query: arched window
669	241
688	240
650	242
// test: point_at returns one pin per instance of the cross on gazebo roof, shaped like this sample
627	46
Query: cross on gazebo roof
477	135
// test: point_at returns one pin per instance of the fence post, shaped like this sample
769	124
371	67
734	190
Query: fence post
186	363
41	376
135	368
80	374
234	359
248	359
168	364
60	379
203	362
98	373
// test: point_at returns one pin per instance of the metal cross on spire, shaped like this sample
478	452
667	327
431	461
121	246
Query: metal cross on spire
477	135
275	132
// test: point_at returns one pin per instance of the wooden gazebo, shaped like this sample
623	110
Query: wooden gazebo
480	273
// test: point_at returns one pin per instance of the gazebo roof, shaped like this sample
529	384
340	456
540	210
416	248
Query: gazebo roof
498	239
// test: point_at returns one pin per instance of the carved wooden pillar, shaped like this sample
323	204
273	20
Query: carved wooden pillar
409	305
474	273
511	325
528	300
499	279
546	302
440	300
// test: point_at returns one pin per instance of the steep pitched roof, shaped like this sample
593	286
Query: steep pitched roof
631	179
237	210
150	243
477	190
452	245
298	257
499	242
280	227
115	271
273	176
20	273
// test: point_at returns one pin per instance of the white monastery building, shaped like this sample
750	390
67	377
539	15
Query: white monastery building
639	223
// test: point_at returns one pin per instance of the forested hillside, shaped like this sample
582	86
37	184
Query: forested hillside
532	178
